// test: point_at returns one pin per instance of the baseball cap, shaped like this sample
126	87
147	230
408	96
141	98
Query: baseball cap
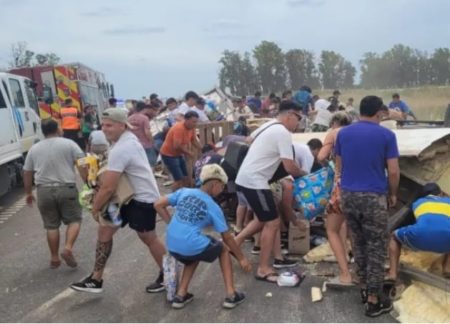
117	115
213	172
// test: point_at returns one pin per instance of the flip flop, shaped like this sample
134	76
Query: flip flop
335	282
267	276
68	257
55	264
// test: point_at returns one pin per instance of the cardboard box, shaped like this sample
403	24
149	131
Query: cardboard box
298	239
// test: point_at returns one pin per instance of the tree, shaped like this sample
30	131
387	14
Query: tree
301	68
270	66
335	71
237	74
22	57
440	66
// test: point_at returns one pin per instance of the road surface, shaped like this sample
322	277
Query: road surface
32	292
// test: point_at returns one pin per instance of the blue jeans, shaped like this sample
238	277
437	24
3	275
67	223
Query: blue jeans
152	156
176	166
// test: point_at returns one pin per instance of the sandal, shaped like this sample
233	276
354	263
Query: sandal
267	276
68	257
55	264
336	282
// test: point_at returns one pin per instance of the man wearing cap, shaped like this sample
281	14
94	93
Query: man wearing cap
429	231
127	156
271	146
195	210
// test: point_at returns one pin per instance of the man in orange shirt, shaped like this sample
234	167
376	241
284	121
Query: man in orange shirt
180	143
70	122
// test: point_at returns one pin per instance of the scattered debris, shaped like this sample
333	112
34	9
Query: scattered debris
316	294
269	295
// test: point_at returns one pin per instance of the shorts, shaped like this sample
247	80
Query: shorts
152	156
209	254
261	202
58	204
139	216
431	233
242	201
176	166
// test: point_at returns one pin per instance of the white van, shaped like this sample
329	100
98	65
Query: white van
20	126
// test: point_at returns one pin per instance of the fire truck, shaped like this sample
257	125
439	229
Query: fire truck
55	84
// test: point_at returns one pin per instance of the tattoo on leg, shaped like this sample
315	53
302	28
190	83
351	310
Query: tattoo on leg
102	253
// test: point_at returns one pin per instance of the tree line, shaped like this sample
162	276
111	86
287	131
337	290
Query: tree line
269	69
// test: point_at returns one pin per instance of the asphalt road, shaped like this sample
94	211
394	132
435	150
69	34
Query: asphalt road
32	292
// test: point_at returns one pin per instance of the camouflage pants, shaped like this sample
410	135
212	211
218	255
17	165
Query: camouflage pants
367	216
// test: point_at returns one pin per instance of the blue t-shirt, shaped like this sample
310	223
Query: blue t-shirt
255	103
431	232
194	211
364	148
401	105
303	98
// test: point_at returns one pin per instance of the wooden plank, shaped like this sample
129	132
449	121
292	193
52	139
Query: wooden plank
425	277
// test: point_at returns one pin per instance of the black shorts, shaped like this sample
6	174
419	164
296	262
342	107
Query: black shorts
262	203
209	254
140	216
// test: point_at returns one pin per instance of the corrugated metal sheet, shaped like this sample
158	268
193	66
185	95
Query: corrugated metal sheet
411	142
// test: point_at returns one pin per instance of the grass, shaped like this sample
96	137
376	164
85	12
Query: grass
428	103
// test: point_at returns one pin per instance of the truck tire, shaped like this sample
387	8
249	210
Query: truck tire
447	117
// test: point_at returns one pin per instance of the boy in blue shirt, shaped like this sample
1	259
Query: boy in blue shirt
430	232
364	150
400	105
196	210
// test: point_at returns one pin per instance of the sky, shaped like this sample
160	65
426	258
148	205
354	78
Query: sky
172	46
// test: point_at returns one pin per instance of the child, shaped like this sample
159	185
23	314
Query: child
196	210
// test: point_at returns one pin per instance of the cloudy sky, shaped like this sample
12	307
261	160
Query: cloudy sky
171	46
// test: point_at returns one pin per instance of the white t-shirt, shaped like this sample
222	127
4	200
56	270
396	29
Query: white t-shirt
98	138
53	159
245	111
323	117
202	117
264	156
304	156
321	104
127	156
183	109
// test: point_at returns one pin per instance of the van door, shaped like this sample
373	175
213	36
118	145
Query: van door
9	145
24	117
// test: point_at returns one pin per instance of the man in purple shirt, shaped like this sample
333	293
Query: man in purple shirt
363	152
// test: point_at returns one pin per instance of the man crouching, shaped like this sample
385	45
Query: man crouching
196	210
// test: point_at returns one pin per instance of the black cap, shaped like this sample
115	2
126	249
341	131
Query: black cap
431	188
289	105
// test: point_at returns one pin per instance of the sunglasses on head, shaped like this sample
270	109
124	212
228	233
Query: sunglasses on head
297	114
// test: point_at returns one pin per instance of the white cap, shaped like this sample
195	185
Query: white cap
213	172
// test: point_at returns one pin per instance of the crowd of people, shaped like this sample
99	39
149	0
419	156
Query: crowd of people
365	187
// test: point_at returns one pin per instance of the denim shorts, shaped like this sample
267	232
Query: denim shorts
176	166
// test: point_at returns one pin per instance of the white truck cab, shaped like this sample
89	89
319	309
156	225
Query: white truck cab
20	126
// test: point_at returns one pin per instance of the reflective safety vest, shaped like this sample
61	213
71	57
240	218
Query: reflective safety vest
69	118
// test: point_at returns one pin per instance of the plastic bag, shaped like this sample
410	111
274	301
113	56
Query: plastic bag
312	192
172	274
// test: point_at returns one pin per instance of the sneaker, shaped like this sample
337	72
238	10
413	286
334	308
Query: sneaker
284	263
250	239
179	302
256	250
157	285
383	306
88	285
232	302
364	295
